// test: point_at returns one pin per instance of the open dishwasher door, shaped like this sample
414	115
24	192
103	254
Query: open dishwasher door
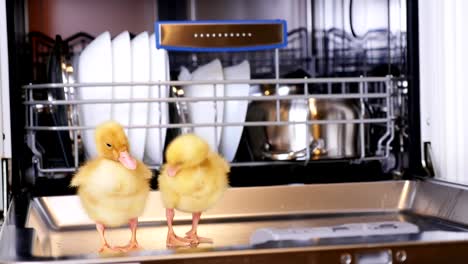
377	222
286	207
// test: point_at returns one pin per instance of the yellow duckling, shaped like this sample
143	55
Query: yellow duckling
113	188
193	179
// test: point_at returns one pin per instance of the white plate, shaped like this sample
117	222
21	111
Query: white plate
204	112
234	111
121	72
139	111
158	112
95	65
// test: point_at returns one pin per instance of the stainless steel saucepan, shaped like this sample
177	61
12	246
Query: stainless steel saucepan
289	142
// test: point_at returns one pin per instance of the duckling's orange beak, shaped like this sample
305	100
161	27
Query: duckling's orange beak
172	170
128	161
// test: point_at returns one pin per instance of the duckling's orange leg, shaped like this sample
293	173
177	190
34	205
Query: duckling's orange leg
173	240
104	245
133	244
192	234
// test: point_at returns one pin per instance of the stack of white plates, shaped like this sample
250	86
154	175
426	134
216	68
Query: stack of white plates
223	139
125	60
138	60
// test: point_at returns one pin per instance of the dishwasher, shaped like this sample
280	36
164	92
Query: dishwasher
319	107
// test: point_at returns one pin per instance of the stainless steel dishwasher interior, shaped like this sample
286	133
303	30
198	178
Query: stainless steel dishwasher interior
62	230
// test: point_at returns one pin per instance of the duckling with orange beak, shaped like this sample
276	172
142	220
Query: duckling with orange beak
113	187
193	179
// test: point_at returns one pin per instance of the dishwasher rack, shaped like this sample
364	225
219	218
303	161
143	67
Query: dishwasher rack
378	93
339	53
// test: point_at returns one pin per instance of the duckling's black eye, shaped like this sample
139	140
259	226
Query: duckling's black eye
109	145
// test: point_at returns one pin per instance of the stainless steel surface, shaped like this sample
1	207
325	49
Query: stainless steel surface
336	140
442	200
277	140
65	211
331	140
153	237
57	229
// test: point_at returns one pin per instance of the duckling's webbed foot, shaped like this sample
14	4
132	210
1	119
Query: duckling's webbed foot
172	239
175	241
129	247
195	239
104	245
133	244
192	234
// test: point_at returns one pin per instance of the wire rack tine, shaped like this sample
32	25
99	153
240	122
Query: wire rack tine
233	164
210	82
215	127
388	115
389	86
209	99
361	125
306	93
160	122
222	124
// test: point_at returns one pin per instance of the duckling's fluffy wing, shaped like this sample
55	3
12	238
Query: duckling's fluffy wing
109	177
143	171
195	189
84	173
110	193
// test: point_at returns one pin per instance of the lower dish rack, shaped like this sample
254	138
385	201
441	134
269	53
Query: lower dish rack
286	121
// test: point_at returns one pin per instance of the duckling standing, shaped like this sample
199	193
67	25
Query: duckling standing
193	179
113	188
